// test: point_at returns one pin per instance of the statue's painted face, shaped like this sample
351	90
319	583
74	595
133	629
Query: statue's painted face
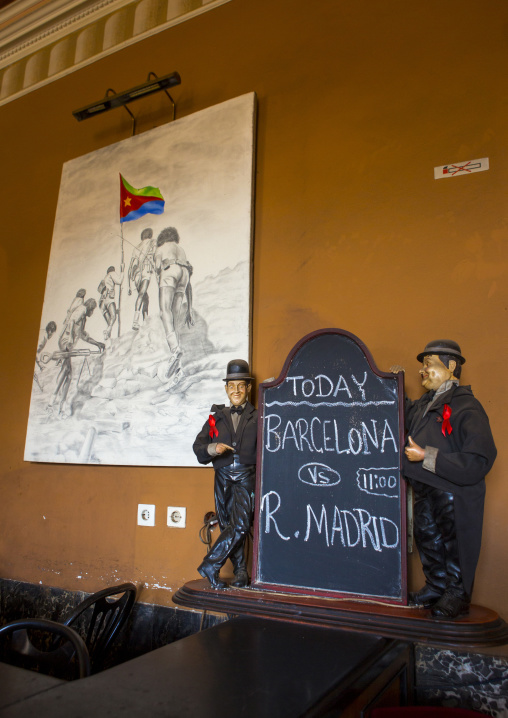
434	372
237	391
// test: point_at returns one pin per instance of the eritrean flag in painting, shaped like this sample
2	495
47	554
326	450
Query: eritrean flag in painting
135	203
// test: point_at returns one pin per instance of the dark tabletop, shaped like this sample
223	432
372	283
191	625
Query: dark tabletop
17	684
244	668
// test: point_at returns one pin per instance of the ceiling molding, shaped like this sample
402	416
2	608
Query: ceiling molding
40	42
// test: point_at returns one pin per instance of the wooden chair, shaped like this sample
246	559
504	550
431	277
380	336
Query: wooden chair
45	646
99	618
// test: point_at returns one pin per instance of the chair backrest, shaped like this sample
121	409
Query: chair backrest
100	617
59	650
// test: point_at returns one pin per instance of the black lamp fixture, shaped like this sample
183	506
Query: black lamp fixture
152	85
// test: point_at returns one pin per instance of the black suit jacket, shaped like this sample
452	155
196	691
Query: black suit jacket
466	455
244	441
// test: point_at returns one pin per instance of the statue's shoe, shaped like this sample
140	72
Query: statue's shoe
451	606
241	580
426	597
212	575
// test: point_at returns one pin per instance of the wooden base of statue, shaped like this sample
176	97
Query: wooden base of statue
481	627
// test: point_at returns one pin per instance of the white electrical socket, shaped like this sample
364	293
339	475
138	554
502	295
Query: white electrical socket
177	516
146	514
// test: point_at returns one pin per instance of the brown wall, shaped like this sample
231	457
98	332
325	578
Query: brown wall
358	101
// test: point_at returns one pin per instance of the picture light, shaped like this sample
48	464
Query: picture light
120	99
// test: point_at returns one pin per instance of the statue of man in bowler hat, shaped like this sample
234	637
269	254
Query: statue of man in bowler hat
449	451
228	440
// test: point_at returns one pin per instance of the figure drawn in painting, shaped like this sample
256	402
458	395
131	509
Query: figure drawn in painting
107	302
73	331
45	337
174	273
43	340
140	273
78	301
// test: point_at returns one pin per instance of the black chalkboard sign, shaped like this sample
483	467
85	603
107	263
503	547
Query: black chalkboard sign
330	501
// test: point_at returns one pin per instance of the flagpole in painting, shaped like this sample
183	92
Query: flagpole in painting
122	267
134	204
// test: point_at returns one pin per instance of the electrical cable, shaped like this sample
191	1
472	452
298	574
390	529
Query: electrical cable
205	532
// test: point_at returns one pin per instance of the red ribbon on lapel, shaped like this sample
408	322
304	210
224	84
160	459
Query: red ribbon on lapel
447	427
213	430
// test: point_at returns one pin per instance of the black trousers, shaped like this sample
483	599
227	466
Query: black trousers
436	539
234	505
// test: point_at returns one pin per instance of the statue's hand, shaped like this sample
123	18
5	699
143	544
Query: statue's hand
221	448
413	451
396	369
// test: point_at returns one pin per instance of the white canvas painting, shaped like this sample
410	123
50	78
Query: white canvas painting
141	346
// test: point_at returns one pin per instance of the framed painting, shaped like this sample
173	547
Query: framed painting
148	292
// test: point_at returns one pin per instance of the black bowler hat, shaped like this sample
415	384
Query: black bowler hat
238	369
442	346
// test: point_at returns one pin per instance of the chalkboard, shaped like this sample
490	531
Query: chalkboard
330	500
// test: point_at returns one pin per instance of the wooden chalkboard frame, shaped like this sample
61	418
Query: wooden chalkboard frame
256	583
